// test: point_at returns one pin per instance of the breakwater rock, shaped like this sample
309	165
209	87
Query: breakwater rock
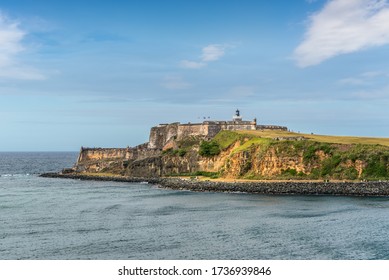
280	188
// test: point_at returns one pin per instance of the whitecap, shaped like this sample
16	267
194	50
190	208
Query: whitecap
15	175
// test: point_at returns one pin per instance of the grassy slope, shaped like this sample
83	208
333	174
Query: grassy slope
321	138
374	152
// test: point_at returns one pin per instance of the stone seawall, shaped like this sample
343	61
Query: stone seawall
276	188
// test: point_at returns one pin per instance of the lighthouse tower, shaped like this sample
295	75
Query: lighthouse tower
237	117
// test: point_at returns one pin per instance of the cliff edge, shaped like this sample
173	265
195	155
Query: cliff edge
263	154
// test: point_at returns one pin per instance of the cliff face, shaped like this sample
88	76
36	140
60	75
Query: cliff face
243	156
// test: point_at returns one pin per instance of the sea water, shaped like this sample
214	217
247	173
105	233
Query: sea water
45	218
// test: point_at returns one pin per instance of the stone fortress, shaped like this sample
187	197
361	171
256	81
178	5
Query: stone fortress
176	149
163	135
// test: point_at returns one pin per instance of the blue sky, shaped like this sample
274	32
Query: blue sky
101	73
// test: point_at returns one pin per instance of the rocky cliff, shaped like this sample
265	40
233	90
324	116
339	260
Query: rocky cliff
241	155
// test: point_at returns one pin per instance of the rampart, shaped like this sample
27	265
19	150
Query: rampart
271	127
88	154
98	154
162	135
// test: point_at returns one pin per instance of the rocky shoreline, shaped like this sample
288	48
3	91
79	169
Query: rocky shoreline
374	188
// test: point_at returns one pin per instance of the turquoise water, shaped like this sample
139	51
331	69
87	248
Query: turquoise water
44	218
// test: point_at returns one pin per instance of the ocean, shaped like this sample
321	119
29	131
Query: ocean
46	218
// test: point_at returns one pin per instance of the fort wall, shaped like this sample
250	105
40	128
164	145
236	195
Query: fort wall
161	134
109	154
239	125
88	154
272	127
164	134
186	130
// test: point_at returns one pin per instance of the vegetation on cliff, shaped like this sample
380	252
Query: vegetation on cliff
209	148
253	155
250	156
335	161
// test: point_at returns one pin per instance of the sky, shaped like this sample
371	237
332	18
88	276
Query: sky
101	73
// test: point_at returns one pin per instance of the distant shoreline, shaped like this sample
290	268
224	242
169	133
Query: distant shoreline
372	188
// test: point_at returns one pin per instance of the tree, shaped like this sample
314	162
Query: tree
209	149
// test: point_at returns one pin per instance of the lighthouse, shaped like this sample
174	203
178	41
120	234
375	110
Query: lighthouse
237	117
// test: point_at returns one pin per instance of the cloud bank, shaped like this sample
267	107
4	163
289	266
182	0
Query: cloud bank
11	37
210	53
341	27
10	41
192	64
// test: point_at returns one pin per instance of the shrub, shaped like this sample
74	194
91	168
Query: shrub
330	164
209	149
212	175
325	147
376	167
315	173
167	151
310	153
290	171
170	151
351	173
180	152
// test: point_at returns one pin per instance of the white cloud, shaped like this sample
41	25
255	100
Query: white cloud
192	64
372	74
353	81
341	27
21	73
210	53
10	41
365	79
377	94
11	37
371	85
175	83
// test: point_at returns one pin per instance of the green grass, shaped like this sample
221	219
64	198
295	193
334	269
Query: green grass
334	159
320	138
323	157
252	143
226	138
